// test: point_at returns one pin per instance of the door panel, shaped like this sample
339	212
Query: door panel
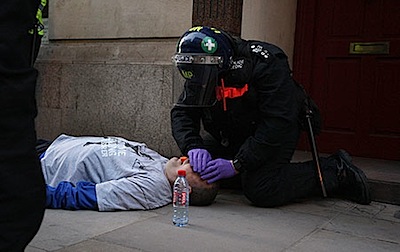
340	107
357	90
387	93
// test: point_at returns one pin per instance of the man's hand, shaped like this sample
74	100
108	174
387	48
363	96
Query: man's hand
198	159
218	169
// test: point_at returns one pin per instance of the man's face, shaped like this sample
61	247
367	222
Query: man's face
175	164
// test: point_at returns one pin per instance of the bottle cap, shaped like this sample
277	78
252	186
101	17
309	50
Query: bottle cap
183	159
181	172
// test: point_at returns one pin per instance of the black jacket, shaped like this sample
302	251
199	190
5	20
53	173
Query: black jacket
256	123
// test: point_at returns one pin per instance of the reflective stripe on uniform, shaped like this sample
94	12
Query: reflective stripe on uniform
39	17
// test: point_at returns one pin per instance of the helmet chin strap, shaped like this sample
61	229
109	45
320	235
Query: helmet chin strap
223	94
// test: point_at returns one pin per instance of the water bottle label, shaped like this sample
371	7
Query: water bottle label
183	200
180	198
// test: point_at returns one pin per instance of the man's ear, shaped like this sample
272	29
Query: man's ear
190	189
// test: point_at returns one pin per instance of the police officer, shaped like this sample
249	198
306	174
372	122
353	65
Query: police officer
242	94
22	187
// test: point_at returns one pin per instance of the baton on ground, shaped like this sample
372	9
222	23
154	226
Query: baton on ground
313	144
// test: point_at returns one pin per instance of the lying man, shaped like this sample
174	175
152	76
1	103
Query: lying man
112	173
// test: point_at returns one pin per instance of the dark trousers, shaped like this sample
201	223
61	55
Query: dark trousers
277	182
22	187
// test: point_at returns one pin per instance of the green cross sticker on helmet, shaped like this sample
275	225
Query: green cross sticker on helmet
209	45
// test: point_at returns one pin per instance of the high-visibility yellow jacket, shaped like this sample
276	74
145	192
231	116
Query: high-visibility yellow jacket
39	17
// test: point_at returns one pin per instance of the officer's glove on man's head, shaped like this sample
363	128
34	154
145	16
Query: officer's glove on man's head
218	169
198	159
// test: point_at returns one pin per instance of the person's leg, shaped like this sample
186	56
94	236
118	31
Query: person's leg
22	187
279	183
22	201
341	178
290	182
273	183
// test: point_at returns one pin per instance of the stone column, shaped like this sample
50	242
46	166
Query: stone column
222	14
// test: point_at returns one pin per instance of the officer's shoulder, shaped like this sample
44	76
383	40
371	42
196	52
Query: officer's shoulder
263	50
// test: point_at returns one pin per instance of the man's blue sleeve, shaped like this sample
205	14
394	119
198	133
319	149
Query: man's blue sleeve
68	196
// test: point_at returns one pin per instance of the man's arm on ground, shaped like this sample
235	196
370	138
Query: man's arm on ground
72	197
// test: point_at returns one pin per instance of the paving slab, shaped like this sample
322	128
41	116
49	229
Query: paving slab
328	241
230	224
63	228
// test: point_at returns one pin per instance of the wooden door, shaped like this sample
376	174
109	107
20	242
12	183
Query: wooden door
347	54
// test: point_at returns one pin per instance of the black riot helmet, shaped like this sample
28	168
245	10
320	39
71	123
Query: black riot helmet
202	54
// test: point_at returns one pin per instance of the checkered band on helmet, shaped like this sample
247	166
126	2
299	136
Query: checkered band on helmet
203	40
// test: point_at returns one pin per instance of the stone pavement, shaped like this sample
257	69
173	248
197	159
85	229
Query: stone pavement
230	224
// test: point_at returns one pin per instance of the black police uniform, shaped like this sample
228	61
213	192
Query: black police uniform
259	130
22	187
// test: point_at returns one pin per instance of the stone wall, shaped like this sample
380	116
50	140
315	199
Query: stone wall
105	69
100	19
120	89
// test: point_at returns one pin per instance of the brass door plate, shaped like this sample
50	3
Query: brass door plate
369	48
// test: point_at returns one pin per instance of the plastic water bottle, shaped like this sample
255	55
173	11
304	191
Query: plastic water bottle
180	201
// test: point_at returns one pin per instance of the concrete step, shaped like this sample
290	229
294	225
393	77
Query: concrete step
383	177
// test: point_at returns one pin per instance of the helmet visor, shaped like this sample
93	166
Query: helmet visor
195	84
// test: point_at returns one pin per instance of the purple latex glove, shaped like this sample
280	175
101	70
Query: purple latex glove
218	169
198	159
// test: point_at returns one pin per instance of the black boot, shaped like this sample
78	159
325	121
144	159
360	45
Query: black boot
352	182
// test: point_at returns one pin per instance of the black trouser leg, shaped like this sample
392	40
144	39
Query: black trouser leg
21	202
289	183
280	182
22	187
